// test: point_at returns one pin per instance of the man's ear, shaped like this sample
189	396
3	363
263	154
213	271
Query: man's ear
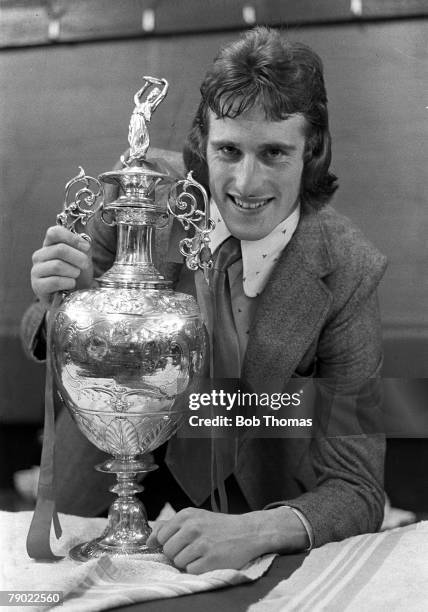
318	183
312	146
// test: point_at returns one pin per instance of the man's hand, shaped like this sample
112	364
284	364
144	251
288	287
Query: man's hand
198	540
63	263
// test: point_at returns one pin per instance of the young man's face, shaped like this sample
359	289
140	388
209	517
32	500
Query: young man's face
255	169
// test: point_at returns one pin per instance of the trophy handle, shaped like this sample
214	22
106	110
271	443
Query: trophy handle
79	206
196	250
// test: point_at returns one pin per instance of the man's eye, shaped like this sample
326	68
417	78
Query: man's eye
229	152
274	154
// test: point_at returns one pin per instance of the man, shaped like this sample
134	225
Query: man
302	295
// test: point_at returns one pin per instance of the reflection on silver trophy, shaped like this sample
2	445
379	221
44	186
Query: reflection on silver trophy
123	352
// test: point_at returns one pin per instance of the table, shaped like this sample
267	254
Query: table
231	599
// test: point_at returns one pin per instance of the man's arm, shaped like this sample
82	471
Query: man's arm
348	451
199	540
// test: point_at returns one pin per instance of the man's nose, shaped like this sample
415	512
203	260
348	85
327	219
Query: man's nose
248	176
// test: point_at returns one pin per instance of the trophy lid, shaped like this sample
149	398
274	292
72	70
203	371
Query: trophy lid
141	167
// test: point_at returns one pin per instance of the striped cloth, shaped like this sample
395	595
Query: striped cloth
101	583
382	572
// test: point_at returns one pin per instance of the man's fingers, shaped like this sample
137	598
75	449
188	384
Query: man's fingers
180	541
155	528
162	531
63	252
61	266
55	267
188	555
202	565
47	286
58	234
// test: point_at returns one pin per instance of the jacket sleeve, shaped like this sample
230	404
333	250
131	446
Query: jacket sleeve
33	336
347	451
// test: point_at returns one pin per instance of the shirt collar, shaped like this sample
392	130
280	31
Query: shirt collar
259	257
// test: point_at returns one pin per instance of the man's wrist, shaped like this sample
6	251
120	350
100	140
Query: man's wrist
291	532
306	525
281	530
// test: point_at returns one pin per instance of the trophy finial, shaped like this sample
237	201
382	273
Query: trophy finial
138	136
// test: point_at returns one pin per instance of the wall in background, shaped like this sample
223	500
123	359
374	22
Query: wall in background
69	105
39	22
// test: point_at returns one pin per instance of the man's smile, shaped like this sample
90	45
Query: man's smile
249	204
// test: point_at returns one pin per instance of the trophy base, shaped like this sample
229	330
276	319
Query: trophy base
127	531
96	548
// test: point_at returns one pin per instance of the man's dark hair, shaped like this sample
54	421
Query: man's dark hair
282	77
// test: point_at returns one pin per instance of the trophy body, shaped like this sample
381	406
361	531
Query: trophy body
122	356
123	353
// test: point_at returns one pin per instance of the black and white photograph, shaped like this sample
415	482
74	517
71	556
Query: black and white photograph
214	298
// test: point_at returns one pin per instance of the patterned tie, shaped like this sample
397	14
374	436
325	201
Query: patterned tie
199	465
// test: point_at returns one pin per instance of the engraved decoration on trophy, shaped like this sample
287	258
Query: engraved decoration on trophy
125	351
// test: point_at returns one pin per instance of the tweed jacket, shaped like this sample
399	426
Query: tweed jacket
317	316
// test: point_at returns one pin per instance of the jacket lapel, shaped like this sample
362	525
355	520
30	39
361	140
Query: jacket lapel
292	308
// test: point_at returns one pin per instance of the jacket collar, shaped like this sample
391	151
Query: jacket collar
311	243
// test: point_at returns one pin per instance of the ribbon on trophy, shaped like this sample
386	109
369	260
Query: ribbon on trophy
38	538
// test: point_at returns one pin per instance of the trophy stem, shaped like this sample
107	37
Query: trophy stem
135	245
133	266
127	530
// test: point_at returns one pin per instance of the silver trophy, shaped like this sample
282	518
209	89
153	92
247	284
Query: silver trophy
123	352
